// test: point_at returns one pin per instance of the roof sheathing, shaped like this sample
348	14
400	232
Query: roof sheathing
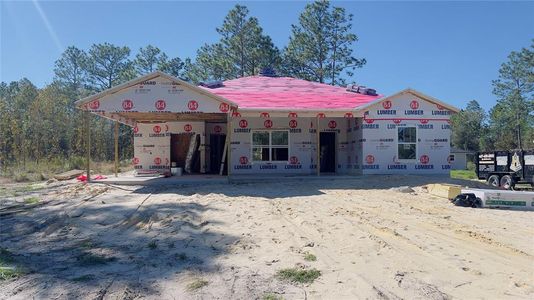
285	93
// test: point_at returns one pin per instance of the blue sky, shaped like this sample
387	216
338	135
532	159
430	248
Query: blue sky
449	50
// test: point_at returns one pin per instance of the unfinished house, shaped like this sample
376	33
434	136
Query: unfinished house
277	125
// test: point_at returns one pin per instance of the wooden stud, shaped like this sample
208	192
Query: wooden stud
87	146
116	148
229	136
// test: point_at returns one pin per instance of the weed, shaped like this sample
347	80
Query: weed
152	245
310	257
299	275
83	278
89	259
271	296
197	284
31	200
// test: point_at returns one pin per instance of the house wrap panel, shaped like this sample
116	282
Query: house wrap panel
380	144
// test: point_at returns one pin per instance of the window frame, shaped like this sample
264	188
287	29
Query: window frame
405	143
270	146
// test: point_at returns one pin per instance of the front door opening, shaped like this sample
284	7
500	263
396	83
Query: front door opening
216	152
327	142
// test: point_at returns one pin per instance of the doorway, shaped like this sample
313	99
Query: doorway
180	147
327	142
217	142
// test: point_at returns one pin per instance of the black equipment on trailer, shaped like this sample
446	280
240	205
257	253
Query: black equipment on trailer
506	168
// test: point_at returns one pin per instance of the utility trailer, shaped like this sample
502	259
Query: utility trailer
505	169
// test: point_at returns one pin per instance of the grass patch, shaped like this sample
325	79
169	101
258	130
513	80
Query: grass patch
83	278
89	259
197	284
7	269
463	174
310	257
271	296
31	200
298	275
152	245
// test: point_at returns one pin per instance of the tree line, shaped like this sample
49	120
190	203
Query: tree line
42	124
510	123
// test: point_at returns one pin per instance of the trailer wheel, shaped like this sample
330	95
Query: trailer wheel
507	182
494	181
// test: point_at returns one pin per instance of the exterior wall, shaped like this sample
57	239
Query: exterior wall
459	162
152	143
157	95
301	145
380	139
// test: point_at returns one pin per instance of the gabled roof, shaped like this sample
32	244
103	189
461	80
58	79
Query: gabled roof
148	77
286	93
415	93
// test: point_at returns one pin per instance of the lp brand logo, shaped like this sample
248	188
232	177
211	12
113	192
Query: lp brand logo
424	159
236	114
292	115
414	104
157	161
127	104
423	121
160	104
135	161
369	121
136	129
243	123
386	104
243	160
265	115
192	105
217	129
188	127
349	115
224	107
293	160
156	129
94	104
268	123
332	124
321	115
293	123
396	121
369	159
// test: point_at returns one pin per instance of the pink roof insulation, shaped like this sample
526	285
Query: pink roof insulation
258	92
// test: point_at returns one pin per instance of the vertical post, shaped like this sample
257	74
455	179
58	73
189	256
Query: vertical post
87	146
229	136
202	149
318	147
116	148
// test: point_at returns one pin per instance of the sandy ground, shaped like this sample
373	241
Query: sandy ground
371	242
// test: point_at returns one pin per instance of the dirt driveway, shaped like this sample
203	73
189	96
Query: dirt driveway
230	241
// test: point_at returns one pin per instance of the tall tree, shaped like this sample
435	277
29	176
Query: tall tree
109	65
468	125
512	118
174	66
242	50
70	69
148	59
321	45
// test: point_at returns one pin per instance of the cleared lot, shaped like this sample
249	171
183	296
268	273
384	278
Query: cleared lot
231	240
